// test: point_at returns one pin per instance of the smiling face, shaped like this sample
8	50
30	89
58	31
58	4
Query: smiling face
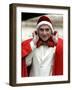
44	32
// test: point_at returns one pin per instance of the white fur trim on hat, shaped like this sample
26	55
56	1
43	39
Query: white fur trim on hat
45	22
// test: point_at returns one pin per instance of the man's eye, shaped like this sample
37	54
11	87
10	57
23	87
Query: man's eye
47	30
41	29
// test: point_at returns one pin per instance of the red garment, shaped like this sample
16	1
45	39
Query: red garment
26	49
58	64
58	59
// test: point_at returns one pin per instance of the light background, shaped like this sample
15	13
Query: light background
4	45
30	25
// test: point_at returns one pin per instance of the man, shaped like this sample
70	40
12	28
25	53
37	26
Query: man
43	55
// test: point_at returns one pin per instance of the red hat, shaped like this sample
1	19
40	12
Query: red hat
44	20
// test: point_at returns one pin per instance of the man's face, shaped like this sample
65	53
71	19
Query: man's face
44	32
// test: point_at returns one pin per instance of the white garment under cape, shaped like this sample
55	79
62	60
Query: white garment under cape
42	61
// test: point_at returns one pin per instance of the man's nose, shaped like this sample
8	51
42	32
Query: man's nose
44	32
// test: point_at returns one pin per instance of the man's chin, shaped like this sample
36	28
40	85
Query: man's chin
44	40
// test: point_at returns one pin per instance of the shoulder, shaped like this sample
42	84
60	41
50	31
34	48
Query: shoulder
26	41
60	40
59	44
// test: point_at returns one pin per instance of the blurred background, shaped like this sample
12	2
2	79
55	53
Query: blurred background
29	24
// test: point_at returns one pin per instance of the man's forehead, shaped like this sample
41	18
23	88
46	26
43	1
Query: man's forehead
44	26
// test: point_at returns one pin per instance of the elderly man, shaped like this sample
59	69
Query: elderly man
43	54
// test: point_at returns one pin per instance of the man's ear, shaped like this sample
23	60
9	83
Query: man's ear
55	32
36	32
55	37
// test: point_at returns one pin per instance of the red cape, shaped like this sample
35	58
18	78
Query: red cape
58	59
